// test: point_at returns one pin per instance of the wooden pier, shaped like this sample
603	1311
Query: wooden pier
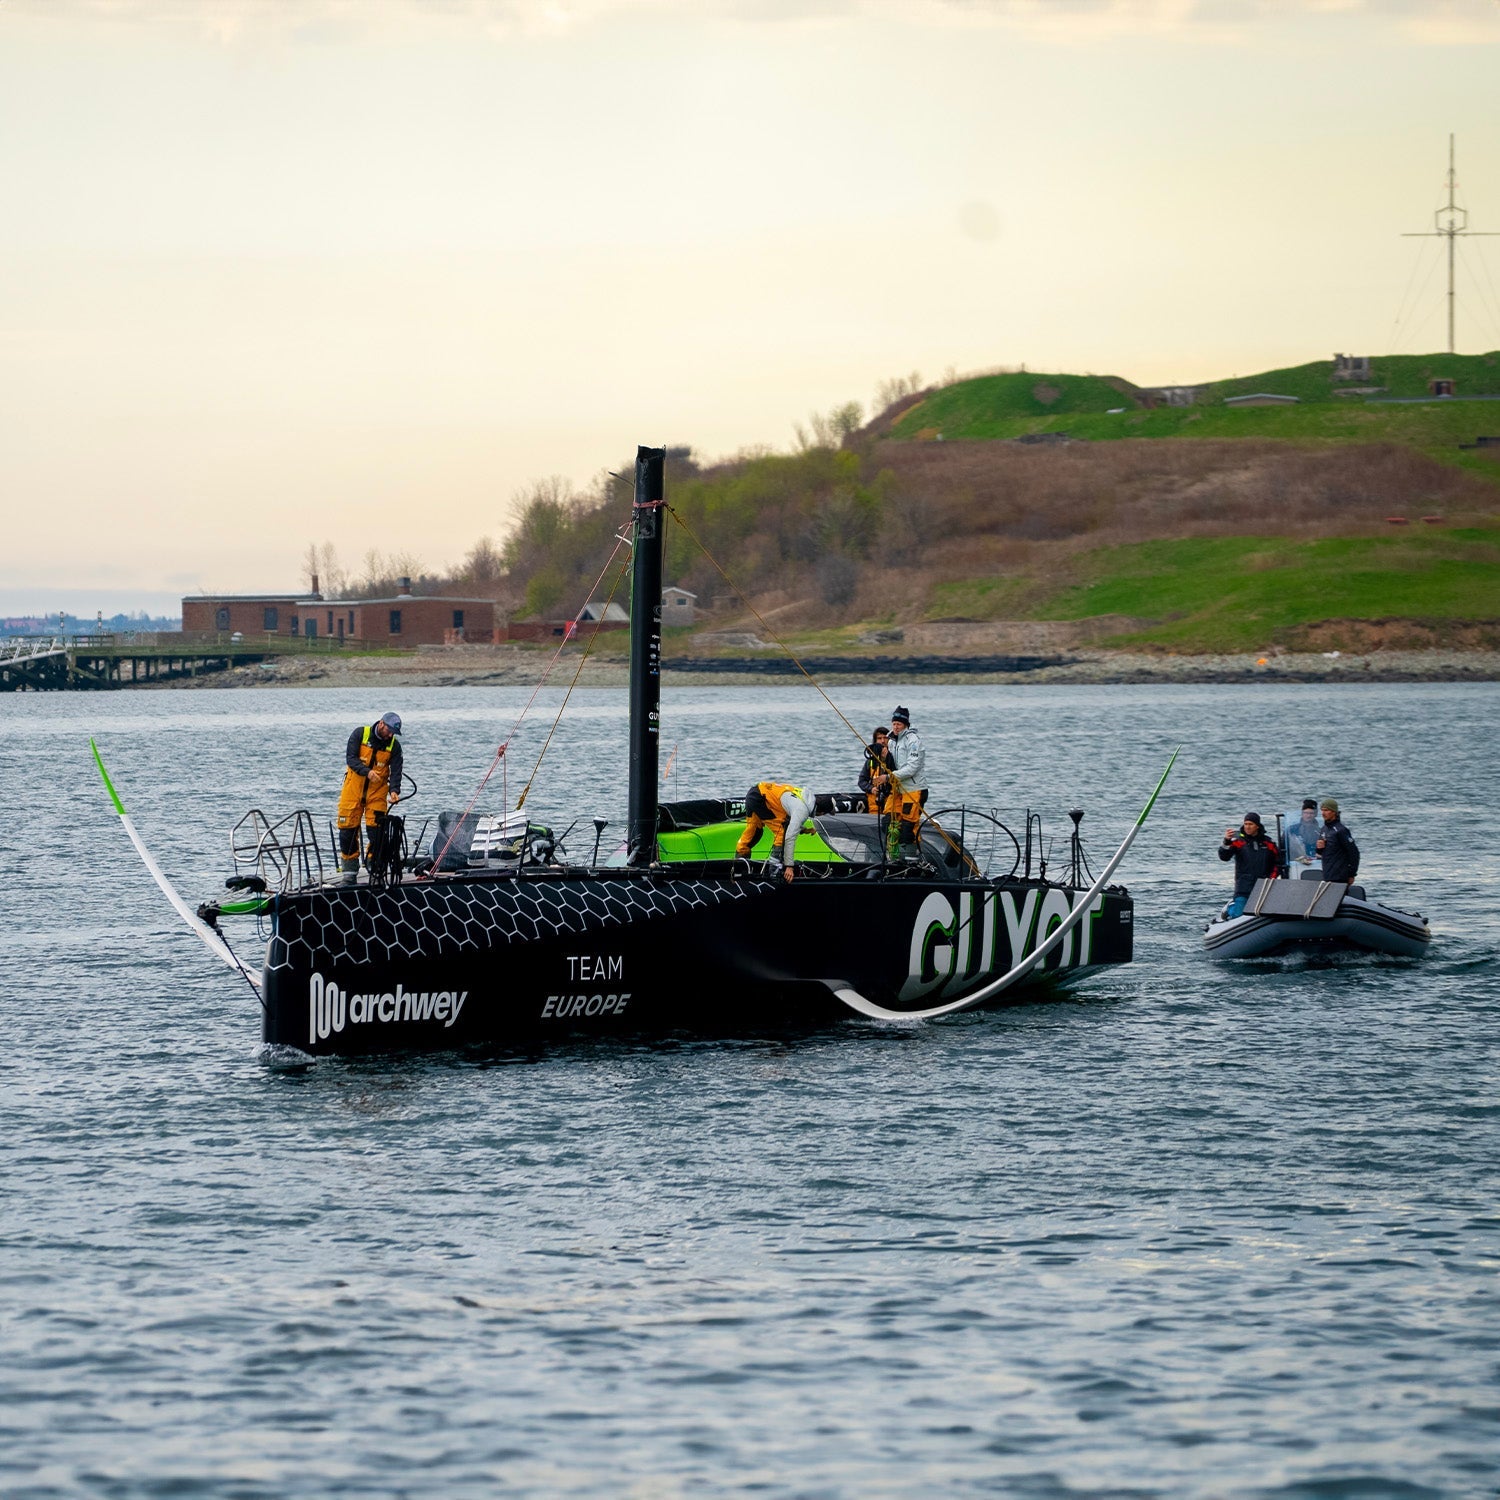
103	662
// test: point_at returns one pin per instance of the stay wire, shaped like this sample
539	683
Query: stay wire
562	707
1483	297
796	662
1421	293
437	863
761	620
1416	265
244	973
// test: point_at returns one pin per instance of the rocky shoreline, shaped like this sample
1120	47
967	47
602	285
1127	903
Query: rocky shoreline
511	666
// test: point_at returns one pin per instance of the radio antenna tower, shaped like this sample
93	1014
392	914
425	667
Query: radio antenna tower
1455	227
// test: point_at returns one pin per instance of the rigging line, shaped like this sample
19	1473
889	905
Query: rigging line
562	707
1484	299
1485	266
437	863
1422	292
760	618
792	655
1416	265
244	973
620	541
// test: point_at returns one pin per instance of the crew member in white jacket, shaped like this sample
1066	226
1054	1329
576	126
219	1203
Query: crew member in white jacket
903	807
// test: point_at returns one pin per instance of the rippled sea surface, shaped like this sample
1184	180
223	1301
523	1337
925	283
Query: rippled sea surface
1195	1230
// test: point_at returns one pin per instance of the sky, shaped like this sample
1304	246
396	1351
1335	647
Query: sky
280	272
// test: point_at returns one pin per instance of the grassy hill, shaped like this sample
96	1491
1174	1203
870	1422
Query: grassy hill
1101	409
1197	527
1249	592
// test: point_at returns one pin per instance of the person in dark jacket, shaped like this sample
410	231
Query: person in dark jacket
1336	845
1255	858
875	777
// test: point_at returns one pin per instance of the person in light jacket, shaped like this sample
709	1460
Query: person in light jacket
908	787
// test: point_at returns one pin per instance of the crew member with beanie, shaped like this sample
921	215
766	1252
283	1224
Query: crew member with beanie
1255	858
372	785
908	787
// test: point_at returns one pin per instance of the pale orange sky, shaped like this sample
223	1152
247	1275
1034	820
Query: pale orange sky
281	271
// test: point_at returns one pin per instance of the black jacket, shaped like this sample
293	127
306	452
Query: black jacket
1254	859
1340	852
876	760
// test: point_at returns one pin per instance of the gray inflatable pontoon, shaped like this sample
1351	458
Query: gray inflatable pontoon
1313	915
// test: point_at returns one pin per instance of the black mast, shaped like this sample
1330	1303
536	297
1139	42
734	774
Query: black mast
645	653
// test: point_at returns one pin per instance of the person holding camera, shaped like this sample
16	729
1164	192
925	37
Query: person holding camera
1255	857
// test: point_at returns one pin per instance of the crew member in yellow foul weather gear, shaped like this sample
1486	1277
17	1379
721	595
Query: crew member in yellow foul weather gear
372	785
784	809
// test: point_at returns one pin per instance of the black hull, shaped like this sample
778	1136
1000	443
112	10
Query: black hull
438	964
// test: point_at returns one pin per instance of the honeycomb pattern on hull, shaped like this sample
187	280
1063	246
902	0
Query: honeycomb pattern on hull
443	921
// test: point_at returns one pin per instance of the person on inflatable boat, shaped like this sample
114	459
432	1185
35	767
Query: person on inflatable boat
1255	857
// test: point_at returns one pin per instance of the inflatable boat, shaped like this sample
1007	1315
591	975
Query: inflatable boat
1314	915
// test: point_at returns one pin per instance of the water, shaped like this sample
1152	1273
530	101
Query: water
1195	1231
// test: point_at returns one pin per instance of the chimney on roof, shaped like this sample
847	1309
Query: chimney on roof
315	593
403	587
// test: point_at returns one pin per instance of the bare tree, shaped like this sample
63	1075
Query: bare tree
483	564
897	388
322	572
830	430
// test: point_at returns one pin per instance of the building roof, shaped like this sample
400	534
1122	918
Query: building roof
1261	396
286	597
673	588
406	599
595	611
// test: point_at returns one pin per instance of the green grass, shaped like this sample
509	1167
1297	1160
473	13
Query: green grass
1004	406
1236	593
970	408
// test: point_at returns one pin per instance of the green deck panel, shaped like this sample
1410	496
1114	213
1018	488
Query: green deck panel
715	841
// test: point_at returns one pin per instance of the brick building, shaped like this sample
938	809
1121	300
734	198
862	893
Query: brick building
402	620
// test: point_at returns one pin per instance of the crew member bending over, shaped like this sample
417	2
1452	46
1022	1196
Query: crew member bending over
908	787
782	807
372	785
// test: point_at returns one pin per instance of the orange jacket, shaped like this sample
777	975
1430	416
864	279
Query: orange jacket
363	796
773	792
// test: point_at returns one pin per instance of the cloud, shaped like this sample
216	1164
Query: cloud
1434	22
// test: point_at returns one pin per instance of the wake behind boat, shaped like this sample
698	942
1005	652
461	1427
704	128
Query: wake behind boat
495	933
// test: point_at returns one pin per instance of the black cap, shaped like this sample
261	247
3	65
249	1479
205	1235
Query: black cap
1311	802
902	713
1253	818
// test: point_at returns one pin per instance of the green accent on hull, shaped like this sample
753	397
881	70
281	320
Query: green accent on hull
109	786
253	907
717	841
